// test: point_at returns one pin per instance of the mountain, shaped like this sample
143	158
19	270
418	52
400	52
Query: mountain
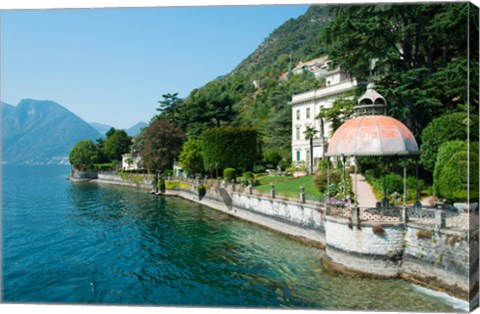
135	130
295	40
102	128
41	132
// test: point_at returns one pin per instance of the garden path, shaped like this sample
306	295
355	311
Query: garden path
365	197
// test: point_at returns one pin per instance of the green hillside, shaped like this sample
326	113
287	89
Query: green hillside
233	99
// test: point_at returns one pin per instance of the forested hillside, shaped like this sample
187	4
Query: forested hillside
423	59
235	100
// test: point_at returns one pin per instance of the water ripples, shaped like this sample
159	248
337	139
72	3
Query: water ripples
83	243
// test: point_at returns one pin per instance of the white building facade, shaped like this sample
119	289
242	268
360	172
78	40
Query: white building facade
131	161
305	109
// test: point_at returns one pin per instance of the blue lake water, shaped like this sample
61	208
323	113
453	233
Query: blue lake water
81	243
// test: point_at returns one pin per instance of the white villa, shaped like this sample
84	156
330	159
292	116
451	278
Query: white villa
131	161
305	109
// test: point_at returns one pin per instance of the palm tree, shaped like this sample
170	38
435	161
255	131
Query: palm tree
310	133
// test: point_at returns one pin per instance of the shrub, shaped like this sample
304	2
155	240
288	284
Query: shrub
230	146
453	183
259	169
191	157
202	190
247	176
172	185
106	166
448	127
369	174
167	172
229	175
445	152
320	180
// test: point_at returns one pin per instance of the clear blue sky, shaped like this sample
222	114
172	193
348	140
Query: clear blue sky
113	65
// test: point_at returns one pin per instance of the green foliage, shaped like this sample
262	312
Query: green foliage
191	157
458	178
272	157
84	155
176	185
259	169
320	180
445	152
394	185
169	108
116	144
106	166
167	172
202	190
229	147
229	175
448	127
420	55
341	111
162	144
248	176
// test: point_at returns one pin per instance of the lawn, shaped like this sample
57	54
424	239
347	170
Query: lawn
287	186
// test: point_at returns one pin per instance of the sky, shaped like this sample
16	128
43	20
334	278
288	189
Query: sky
113	65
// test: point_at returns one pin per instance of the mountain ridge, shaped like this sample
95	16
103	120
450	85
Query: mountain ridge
39	132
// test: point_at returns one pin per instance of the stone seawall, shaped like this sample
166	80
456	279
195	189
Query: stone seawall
83	175
370	250
444	260
127	179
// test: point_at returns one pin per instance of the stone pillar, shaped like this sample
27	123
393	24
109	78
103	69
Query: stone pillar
356	215
233	185
439	219
302	194
272	190
405	214
250	189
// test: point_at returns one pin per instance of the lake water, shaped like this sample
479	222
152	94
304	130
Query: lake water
80	243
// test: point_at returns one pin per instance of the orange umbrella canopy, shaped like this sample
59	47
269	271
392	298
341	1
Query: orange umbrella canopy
374	135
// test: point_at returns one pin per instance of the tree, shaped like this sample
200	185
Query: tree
84	155
310	133
138	142
191	158
225	147
169	108
117	144
341	111
448	127
162	144
420	54
110	132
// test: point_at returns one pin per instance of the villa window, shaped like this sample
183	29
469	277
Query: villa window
298	133
308	113
298	114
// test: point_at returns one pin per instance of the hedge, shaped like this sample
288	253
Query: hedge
448	127
445	152
452	182
229	147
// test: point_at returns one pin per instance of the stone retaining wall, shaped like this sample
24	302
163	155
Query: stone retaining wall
444	260
359	248
83	175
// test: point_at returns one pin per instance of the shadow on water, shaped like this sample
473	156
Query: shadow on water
117	245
